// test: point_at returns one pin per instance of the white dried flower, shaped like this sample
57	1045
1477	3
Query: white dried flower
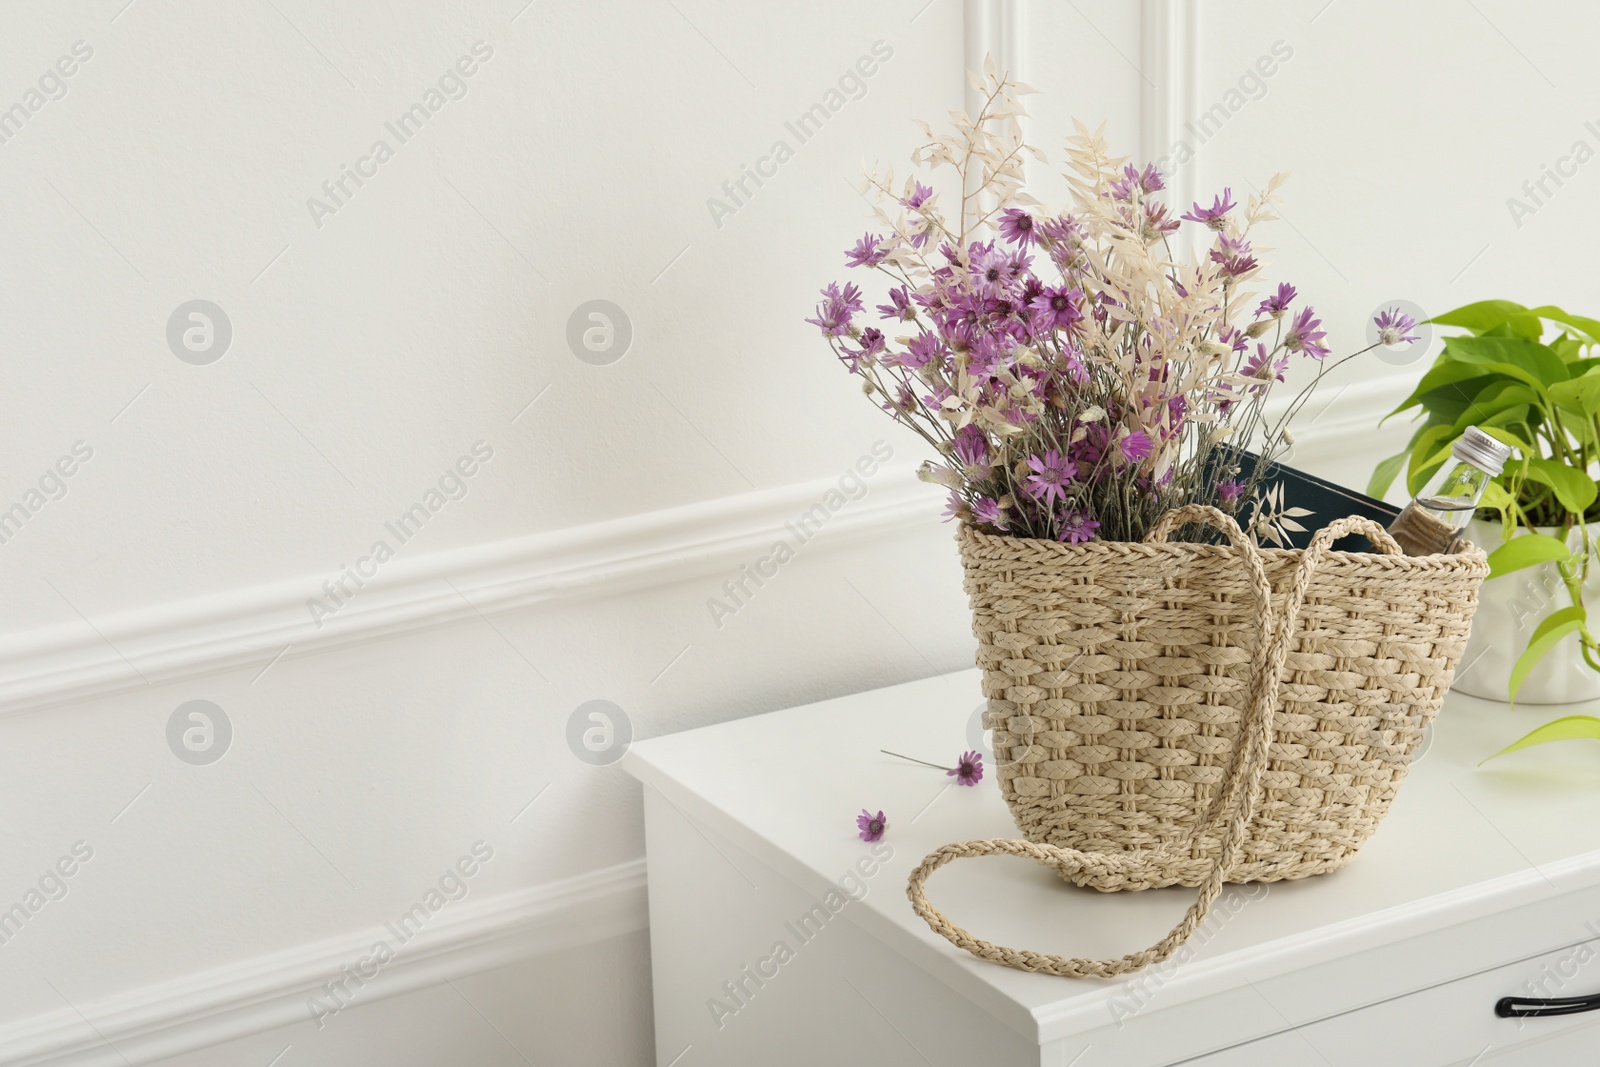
1129	326
939	474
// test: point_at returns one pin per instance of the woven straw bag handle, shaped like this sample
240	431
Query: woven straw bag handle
1233	806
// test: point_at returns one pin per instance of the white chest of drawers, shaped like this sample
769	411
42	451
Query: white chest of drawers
778	937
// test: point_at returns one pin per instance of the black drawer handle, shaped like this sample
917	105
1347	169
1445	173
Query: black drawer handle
1532	1007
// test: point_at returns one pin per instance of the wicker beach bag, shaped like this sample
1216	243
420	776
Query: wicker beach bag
1196	714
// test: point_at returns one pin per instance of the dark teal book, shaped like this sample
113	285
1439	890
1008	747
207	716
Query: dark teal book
1325	500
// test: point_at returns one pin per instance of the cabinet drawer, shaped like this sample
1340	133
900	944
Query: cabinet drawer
1450	1024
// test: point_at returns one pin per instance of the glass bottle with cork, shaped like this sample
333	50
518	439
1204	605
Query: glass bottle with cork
1434	519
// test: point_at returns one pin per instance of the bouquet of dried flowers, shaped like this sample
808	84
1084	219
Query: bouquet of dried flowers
1077	375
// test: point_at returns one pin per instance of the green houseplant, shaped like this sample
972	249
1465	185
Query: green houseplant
1531	378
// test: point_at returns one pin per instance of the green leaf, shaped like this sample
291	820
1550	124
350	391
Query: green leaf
1484	315
1424	458
1575	489
1581	395
1556	625
1524	326
1463	402
1494	496
1569	728
1505	392
1511	416
1502	402
1383	474
1526	360
1441	375
1526	551
1588	328
1568	347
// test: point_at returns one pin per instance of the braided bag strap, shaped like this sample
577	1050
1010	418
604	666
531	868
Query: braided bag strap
1232	808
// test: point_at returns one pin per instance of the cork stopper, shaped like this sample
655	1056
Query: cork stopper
1421	533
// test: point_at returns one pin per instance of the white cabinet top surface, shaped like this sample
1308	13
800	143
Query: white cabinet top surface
1460	843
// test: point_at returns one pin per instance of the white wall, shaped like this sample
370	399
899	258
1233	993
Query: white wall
422	317
1408	128
419	318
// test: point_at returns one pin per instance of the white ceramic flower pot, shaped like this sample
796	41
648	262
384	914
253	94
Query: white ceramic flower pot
1509	608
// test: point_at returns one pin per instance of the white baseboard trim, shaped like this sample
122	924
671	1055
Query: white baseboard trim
213	1007
252	626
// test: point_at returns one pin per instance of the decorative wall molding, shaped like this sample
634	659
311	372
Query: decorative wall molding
1167	62
252	626
1167	65
993	29
213	1007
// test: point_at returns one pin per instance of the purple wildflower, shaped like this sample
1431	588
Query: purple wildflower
988	511
1031	288
1264	368
1072	359
1016	226
1017	264
904	402
1229	491
872	345
972	446
924	348
1394	328
1136	446
1277	303
1304	335
1239	266
1233	253
1065	228
868	252
1212	216
1148	181
1063	236
1056	308
835	309
871	826
1177	410
954	507
1229	246
988	356
968	770
1077	528
899	305
1050	476
992	268
1155	224
920	194
960	338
